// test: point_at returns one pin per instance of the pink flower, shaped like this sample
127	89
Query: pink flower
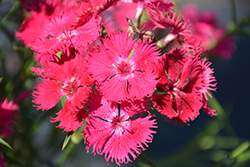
169	19
75	27
115	17
114	130
32	26
163	5
8	110
123	68
184	83
98	6
205	28
69	78
3	162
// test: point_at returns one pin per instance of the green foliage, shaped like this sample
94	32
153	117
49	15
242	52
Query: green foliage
5	144
66	140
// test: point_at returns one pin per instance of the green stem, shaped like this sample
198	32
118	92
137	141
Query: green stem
147	160
234	15
11	13
66	154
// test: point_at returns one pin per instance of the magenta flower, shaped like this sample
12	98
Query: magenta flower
75	27
184	83
123	69
115	17
3	162
115	132
206	29
169	19
163	5
8	110
69	78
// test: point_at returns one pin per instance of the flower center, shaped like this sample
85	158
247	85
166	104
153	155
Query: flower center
67	35
70	86
124	68
120	123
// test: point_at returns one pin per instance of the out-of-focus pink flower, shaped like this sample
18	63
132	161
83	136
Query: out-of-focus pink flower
114	18
162	5
8	110
3	162
123	69
205	28
115	130
22	96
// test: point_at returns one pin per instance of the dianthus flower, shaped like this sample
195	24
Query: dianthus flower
69	78
184	83
114	129
205	28
163	5
169	19
123	68
114	18
45	33
8	110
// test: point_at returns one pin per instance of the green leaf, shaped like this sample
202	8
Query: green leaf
59	54
1	79
12	11
166	73
143	165
240	149
243	157
131	53
62	100
5	144
66	140
214	104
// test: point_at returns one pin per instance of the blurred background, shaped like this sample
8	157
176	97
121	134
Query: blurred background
218	141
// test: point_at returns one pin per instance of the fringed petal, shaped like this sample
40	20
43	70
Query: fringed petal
46	94
70	120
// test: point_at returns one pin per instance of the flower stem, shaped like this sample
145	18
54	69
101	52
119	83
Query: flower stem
11	13
234	16
66	154
147	160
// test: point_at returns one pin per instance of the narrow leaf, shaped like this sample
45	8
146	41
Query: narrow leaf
62	100
66	140
143	165
240	149
5	144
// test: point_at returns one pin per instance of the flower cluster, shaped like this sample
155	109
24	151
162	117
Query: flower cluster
112	78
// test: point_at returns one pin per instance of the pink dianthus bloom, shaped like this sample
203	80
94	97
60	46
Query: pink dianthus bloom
183	86
169	19
73	26
116	131
8	110
68	78
205	28
123	69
